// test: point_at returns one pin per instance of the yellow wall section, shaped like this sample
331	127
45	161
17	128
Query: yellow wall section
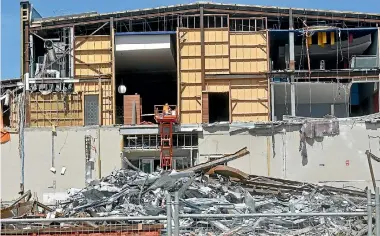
55	109
225	53
190	75
248	52
93	56
216	51
249	100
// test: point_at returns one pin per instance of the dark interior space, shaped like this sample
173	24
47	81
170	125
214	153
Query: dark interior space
346	41
154	89
218	107
6	116
362	99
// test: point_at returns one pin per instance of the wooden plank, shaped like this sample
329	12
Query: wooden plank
205	108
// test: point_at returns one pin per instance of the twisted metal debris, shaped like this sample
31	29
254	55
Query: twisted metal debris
134	193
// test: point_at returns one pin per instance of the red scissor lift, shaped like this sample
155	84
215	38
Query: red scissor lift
166	121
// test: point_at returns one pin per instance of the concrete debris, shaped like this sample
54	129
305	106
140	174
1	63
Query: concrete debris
133	193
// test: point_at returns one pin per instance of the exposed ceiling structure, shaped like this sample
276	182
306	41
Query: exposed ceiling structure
144	52
211	7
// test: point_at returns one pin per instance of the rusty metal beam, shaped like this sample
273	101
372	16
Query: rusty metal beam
36	28
320	17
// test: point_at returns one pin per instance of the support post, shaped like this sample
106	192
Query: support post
292	63
176	214
113	83
273	117
72	52
203	63
371	169
169	214
99	158
377	201
369	211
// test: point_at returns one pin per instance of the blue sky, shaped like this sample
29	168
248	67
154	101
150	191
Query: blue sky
10	26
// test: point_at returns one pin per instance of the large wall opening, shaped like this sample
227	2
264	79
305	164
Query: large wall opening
146	64
154	88
363	99
218	107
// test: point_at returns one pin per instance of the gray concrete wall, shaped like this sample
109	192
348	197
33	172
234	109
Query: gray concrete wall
69	152
338	161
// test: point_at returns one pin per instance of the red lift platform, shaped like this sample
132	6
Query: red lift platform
166	116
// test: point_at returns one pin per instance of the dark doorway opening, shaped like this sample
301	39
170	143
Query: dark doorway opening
362	99
218	107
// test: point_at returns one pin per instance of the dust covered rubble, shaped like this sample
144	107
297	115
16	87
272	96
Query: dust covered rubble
132	193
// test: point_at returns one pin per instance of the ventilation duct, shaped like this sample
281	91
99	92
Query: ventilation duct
50	50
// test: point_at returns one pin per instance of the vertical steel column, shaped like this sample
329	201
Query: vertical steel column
273	117
292	63
377	201
169	213
176	214
369	211
203	62
99	157
71	58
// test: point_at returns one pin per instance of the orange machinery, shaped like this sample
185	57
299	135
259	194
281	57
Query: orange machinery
166	116
5	136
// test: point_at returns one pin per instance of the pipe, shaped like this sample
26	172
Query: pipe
71	58
176	214
369	211
56	72
91	219
169	213
257	215
31	55
50	50
377	202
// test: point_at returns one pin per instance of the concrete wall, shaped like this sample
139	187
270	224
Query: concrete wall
69	150
338	161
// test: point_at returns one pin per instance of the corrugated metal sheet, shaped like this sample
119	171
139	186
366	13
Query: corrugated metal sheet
93	56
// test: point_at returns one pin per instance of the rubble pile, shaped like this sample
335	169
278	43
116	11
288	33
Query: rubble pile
134	193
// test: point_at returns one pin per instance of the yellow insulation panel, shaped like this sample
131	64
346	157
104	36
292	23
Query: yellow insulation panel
248	52
55	109
93	56
218	87
217	51
106	97
190	75
249	100
216	35
225	53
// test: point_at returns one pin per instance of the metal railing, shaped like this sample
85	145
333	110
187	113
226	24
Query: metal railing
174	223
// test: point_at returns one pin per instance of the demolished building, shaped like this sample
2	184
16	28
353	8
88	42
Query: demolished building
91	84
